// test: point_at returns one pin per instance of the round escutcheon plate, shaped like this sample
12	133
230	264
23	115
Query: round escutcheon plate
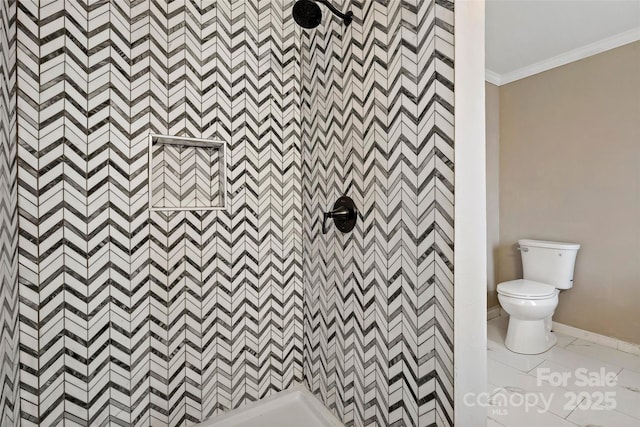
346	224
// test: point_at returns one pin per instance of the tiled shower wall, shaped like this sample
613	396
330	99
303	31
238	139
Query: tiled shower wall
378	126
9	351
154	318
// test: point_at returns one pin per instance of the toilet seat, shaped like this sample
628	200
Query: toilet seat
526	289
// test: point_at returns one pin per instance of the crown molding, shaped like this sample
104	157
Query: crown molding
564	58
492	77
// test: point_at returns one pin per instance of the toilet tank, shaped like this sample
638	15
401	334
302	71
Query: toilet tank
548	262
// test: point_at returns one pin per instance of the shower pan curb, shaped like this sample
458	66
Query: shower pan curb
295	406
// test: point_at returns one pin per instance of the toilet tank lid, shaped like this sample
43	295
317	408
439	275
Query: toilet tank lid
548	244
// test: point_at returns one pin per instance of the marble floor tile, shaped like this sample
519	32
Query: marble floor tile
627	378
545	395
564	340
571	402
566	357
574	378
507	408
606	354
627	401
493	423
600	418
521	362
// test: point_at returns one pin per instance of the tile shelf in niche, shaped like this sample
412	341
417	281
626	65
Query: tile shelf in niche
186	174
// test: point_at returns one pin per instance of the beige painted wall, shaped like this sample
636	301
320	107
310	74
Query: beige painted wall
493	208
569	167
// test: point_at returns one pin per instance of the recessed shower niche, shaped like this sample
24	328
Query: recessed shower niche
186	173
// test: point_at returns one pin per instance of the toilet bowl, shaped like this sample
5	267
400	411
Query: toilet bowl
530	302
530	306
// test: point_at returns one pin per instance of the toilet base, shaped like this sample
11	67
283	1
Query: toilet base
529	336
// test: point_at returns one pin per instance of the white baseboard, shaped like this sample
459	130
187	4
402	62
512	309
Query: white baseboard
493	312
604	340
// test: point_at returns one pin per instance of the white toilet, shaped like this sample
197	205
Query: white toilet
530	302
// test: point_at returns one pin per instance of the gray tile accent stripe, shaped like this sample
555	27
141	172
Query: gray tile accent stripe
9	333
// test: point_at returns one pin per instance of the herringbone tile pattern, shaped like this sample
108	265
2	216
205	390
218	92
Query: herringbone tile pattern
156	318
133	317
378	126
9	333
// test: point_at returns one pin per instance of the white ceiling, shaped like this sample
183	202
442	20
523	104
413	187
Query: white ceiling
520	34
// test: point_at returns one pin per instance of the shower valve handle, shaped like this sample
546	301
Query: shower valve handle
344	215
340	214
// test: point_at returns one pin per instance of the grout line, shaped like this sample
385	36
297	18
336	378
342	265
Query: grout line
573	410
581	355
597	359
538	365
495	421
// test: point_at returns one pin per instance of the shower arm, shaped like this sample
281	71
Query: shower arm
346	17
